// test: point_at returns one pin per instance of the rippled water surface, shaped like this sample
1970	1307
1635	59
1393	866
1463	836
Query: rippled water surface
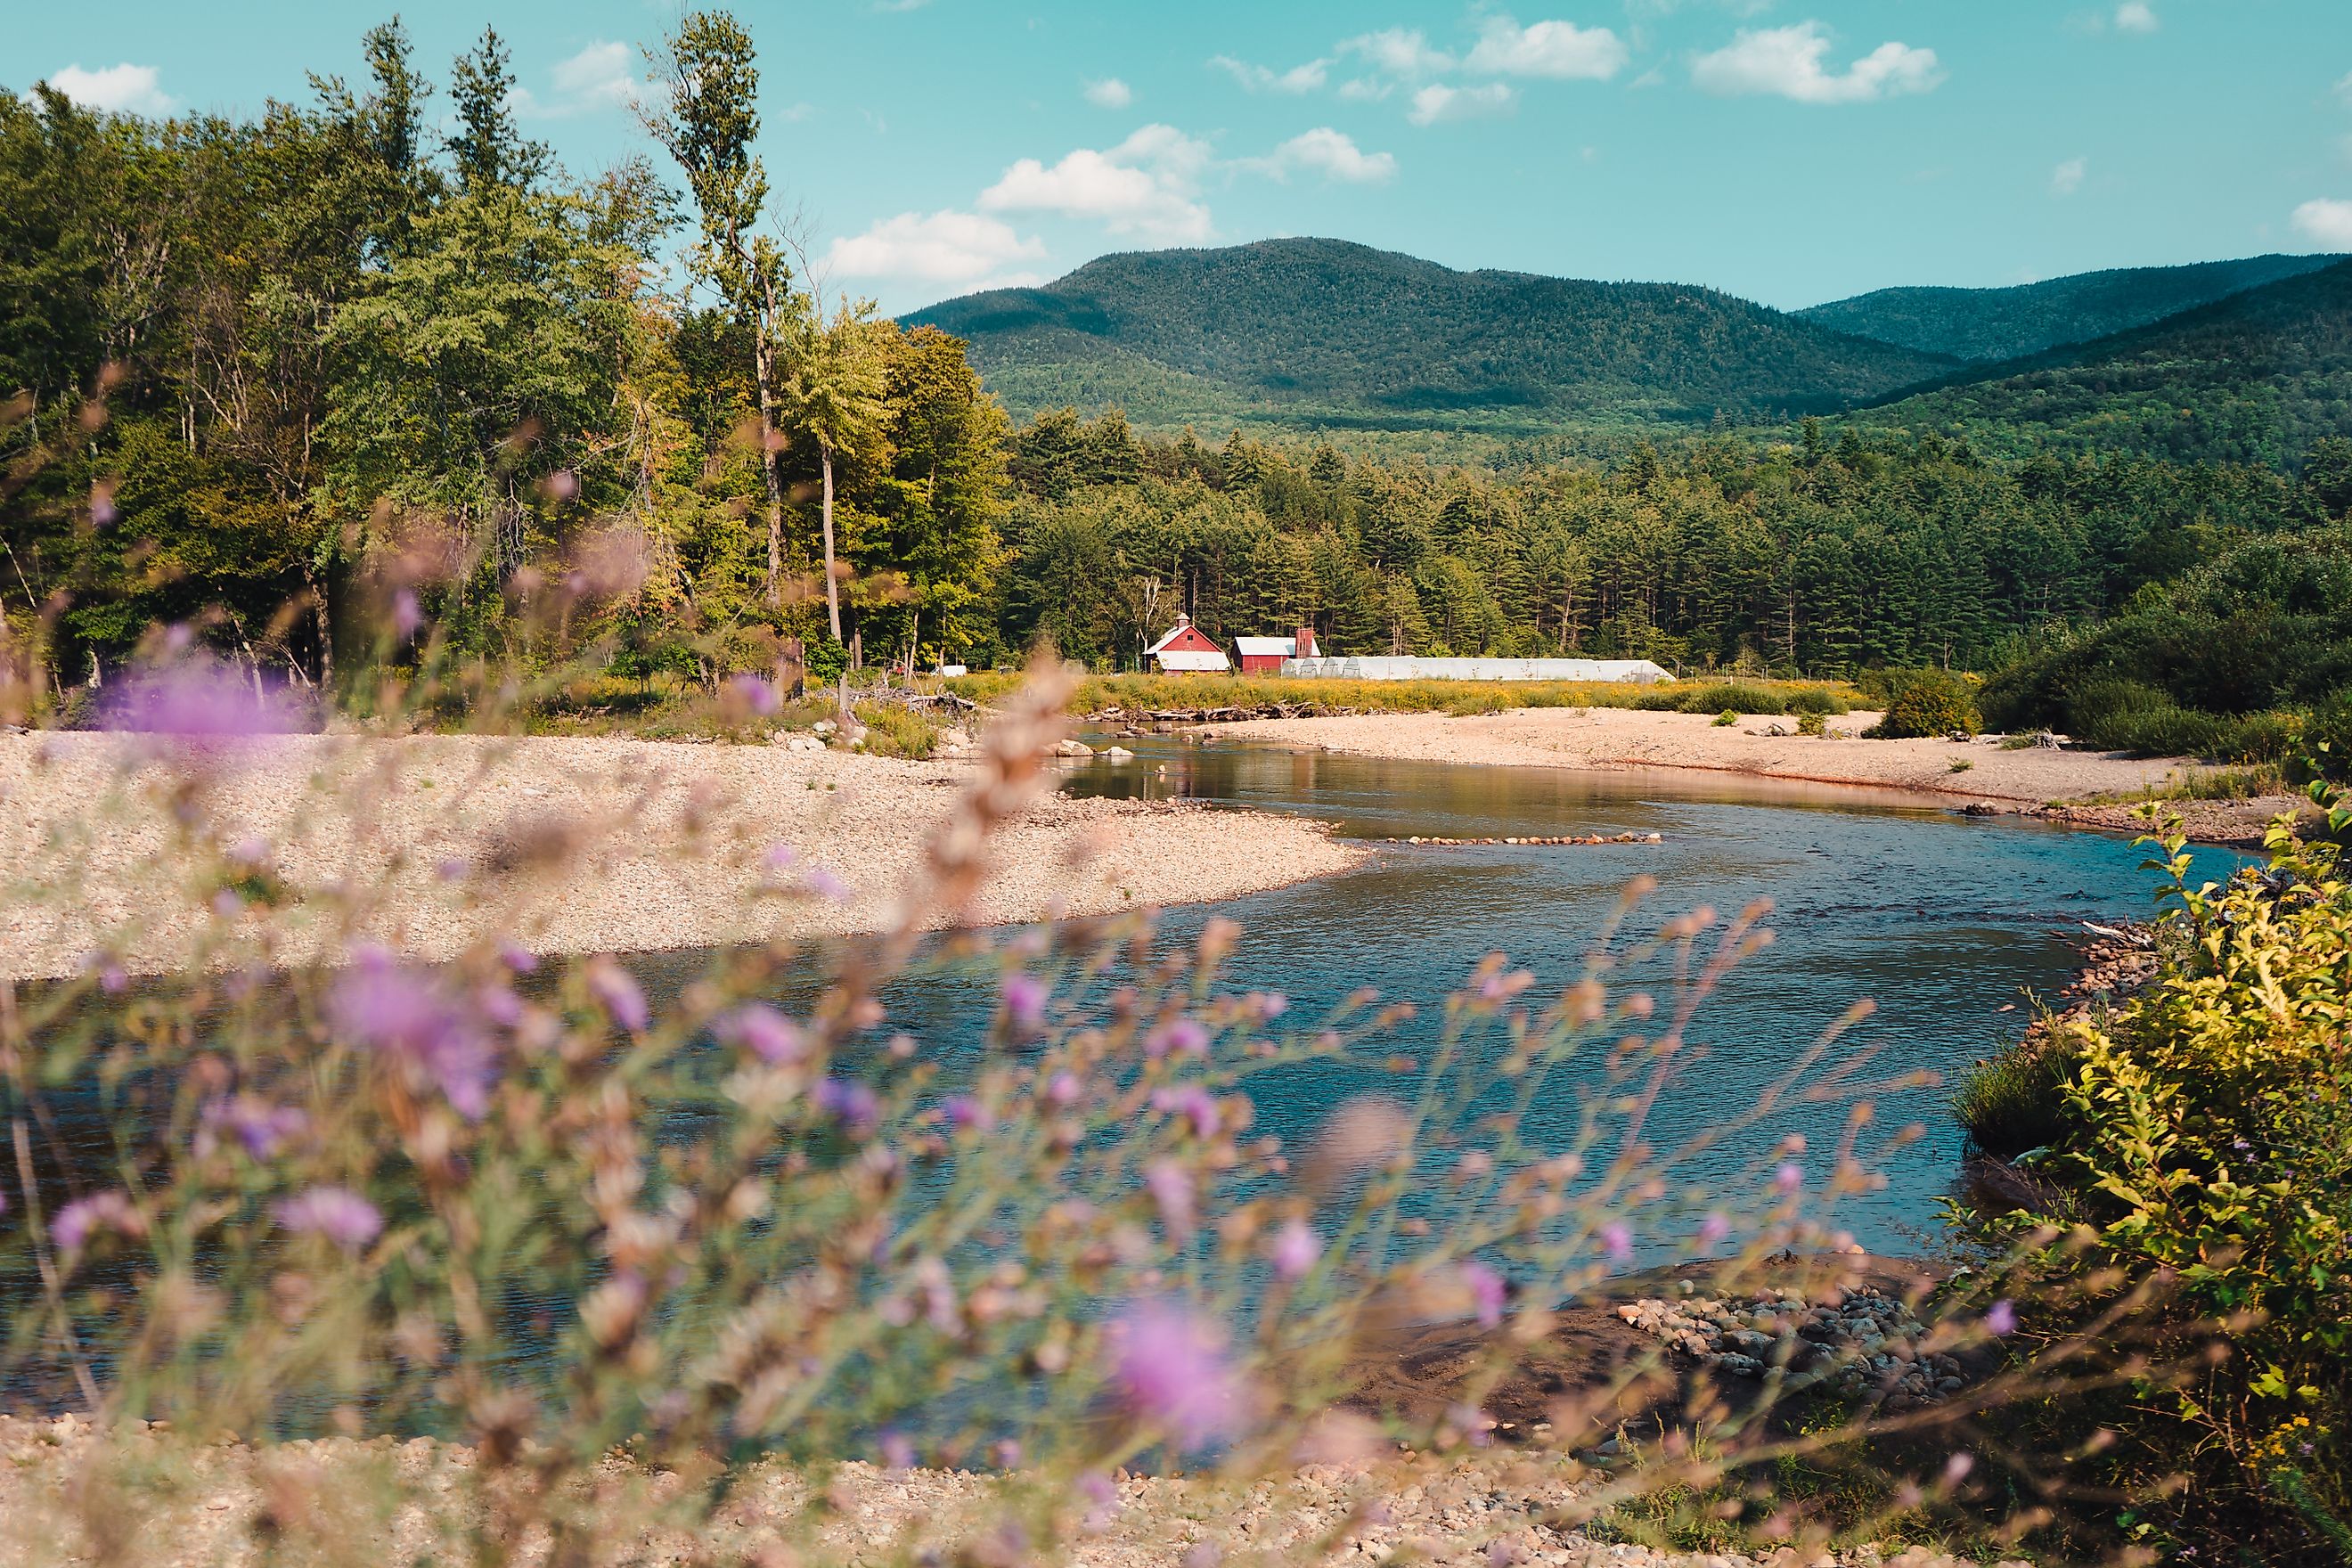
1940	918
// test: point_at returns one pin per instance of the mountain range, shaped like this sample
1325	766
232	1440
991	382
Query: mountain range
2246	359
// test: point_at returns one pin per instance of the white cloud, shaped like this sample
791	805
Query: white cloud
118	89
1109	93
1439	101
2067	177
1365	90
2327	221
939	248
1147	186
2344	87
1308	77
1787	62
1559	50
1331	154
1399	51
600	76
2136	16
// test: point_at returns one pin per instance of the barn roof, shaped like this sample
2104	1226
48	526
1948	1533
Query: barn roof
1187	659
1249	647
1183	624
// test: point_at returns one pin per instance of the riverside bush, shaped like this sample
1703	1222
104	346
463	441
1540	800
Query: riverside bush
1927	703
2204	1131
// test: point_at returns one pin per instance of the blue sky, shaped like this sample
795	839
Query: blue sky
1790	150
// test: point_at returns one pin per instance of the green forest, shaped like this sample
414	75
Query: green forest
311	382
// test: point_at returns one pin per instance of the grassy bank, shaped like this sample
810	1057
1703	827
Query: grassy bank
1183	693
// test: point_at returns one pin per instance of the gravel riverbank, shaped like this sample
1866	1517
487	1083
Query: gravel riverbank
560	845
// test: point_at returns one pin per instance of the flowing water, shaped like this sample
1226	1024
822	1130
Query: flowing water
1947	922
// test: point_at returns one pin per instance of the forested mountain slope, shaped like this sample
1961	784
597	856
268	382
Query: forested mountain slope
1991	325
1322	331
2255	378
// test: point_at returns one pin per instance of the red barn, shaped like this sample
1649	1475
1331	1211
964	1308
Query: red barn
1187	650
1263	655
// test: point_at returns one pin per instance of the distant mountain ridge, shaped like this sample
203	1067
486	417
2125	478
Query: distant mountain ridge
1318	330
1994	324
2254	377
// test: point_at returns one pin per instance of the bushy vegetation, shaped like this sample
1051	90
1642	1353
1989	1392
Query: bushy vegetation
1144	694
2247	656
2203	1130
1927	703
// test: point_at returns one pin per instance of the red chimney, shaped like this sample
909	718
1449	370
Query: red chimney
1303	643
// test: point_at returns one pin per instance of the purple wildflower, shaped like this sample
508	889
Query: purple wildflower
226	905
897	1452
261	1127
108	1210
1713	1229
827	885
1006	1454
1473	1423
752	694
2000	1318
1191	1100
1789	1176
765	1033
1177	1037
1488	1293
200	697
617	992
1024	1001
849	1100
1170	1186
1957	1468
964	1111
517	957
1170	1369
1616	1241
1296	1249
1102	1501
1066	1090
407	1015
407	615
337	1214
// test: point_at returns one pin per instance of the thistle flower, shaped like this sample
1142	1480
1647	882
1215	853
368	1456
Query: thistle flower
261	1129
405	1015
1170	1186
765	1033
750	694
197	696
617	992
1713	1229
849	1100
337	1214
110	1210
1170	1368
1296	1249
1488	1293
965	1112
1191	1101
1789	1176
1024	1001
2000	1318
897	1452
1177	1037
1617	1241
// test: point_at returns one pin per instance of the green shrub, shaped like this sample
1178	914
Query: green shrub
1923	702
895	731
1818	699
2014	1099
1812	724
1726	719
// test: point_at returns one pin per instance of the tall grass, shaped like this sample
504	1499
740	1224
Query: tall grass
1140	695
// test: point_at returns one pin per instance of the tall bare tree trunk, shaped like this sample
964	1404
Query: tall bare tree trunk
832	589
763	369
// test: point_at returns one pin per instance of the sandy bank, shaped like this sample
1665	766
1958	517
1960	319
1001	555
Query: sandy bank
1958	773
560	845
